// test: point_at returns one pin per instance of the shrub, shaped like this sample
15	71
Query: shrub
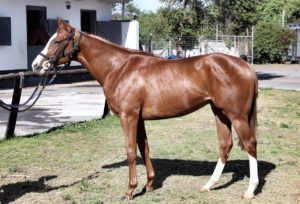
271	42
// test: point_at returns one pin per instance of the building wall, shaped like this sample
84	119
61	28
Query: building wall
14	57
296	26
130	34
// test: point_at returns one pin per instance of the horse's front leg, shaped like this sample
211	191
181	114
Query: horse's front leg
129	125
144	149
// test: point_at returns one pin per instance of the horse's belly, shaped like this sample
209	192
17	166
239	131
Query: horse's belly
168	107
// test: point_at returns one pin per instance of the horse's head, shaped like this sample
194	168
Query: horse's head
60	49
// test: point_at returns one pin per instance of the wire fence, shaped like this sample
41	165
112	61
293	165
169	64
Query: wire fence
193	46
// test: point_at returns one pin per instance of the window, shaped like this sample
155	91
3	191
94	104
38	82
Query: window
5	31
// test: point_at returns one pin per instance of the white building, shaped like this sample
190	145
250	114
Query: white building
296	48
25	25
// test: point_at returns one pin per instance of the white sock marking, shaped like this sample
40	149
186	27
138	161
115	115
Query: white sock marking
253	182
216	175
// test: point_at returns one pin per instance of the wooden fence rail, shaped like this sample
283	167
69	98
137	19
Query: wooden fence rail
34	74
13	115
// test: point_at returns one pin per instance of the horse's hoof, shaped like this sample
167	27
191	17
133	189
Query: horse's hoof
147	189
126	198
248	196
204	189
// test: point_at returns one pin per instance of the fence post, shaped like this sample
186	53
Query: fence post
150	43
10	130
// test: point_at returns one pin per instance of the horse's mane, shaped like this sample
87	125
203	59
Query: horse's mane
118	46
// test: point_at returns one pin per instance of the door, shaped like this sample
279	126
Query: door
88	21
37	37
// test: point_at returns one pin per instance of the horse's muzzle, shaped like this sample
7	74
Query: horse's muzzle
43	68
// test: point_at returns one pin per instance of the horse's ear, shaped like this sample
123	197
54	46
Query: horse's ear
60	22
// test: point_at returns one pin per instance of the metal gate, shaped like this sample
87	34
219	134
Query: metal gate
192	46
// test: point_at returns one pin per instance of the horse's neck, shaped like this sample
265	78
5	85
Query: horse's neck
100	57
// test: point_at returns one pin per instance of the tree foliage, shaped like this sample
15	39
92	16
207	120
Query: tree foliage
154	24
271	10
235	16
185	20
292	9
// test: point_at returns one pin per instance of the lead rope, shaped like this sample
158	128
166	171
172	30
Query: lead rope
35	94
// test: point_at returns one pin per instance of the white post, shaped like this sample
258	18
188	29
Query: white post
130	34
217	30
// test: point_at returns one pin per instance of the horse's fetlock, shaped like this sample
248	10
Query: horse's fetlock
133	184
151	176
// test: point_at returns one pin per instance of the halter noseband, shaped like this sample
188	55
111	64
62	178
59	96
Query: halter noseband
60	52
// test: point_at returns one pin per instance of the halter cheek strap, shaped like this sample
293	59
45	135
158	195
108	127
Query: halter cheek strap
75	47
61	52
44	56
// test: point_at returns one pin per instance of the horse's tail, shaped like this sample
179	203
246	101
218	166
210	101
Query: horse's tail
253	111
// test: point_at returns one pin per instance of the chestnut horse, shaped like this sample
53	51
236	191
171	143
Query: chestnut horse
140	86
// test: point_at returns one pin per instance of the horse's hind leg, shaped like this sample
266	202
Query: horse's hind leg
248	142
144	150
225	145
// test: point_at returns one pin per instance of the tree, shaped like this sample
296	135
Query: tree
183	21
131	10
152	23
273	10
235	16
271	42
292	9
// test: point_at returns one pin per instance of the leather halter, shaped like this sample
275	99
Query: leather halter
60	52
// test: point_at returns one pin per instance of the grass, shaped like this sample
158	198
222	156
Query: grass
86	162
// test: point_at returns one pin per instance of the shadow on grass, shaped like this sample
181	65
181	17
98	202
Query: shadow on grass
267	76
11	192
165	168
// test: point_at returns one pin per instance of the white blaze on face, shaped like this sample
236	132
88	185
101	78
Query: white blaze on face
37	62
